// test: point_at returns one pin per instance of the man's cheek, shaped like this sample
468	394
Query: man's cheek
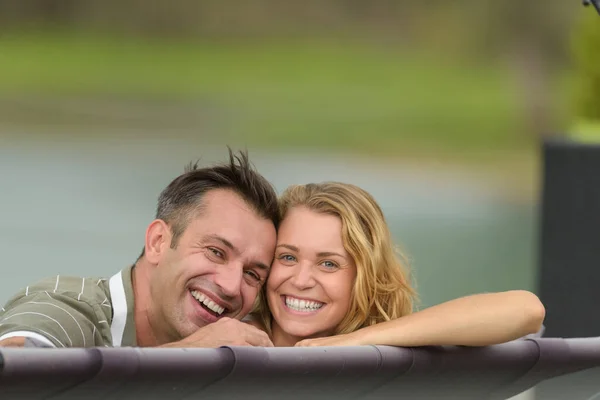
250	297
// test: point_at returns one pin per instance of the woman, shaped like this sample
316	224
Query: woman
337	280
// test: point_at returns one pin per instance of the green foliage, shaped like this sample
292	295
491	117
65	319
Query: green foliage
587	60
283	94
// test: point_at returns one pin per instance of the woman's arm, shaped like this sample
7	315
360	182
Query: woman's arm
476	320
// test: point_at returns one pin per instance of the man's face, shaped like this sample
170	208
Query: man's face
217	269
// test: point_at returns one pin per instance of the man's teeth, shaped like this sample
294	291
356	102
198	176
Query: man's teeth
302	305
208	303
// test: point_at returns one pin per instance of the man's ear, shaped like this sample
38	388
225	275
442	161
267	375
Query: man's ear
158	240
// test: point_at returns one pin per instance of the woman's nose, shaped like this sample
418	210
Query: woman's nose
303	276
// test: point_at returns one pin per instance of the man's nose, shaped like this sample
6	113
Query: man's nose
229	279
303	276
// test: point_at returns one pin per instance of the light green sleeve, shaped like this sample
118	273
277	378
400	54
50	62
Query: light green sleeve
61	312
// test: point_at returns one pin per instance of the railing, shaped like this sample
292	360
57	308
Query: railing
365	372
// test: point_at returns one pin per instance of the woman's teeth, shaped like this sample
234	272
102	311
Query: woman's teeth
302	305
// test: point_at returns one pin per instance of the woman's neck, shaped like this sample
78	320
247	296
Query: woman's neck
282	339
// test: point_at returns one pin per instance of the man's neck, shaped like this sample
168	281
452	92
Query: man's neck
141	290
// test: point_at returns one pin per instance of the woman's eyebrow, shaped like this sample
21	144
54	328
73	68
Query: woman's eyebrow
329	254
289	247
320	254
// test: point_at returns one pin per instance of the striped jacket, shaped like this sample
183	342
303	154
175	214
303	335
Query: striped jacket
65	311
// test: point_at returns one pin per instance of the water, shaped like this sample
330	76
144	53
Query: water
81	206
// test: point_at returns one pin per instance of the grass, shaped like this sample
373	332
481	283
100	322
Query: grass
292	94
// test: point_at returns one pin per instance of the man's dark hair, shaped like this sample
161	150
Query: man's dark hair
182	199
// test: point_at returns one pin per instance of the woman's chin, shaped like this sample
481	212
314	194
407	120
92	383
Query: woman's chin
301	331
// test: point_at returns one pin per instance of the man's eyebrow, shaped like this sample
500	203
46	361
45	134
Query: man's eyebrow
261	265
289	247
225	242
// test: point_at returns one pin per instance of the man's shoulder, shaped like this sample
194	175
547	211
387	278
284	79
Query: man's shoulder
62	311
92	290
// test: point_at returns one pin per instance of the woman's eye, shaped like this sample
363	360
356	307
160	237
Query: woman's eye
329	264
287	257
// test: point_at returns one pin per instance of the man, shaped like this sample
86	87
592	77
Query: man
205	258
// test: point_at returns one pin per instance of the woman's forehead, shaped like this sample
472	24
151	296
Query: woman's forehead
311	231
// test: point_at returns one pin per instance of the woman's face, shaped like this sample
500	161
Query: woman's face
312	276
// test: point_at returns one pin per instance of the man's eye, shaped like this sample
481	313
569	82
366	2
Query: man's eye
253	279
216	252
253	275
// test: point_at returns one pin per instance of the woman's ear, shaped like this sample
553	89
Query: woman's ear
158	241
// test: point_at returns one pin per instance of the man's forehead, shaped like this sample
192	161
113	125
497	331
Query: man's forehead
223	208
224	199
226	218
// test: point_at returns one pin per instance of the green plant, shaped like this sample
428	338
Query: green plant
587	63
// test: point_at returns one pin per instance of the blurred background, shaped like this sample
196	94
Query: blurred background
437	108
